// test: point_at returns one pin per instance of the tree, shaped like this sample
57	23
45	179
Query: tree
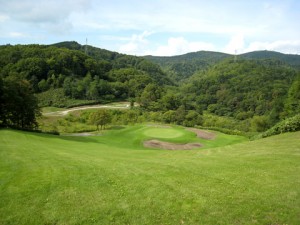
43	85
192	118
67	86
169	116
101	118
292	104
19	105
151	94
259	123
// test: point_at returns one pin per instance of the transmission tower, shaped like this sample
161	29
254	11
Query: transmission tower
86	46
235	55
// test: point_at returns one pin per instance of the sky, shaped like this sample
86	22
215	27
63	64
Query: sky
155	27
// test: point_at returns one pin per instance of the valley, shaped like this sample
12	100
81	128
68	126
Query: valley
107	138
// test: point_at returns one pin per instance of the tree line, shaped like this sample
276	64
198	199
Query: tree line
262	91
40	68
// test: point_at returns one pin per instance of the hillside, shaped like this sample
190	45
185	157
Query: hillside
251	88
245	89
292	60
104	180
183	66
98	75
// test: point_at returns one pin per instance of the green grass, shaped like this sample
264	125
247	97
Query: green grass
163	132
112	179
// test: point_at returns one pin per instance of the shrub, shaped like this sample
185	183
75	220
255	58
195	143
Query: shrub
291	124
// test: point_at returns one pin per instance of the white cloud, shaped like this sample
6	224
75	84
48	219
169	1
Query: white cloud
180	45
3	18
43	11
284	46
140	45
39	16
137	44
235	45
17	35
130	48
242	26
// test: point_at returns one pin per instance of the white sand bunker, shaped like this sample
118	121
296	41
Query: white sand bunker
203	133
170	146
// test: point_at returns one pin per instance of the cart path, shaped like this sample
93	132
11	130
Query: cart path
65	112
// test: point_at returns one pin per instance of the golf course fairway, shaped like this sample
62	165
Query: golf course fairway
114	179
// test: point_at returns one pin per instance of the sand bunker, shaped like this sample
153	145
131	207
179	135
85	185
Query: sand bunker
203	134
189	146
158	126
170	146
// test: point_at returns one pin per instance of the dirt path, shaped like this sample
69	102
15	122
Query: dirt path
65	112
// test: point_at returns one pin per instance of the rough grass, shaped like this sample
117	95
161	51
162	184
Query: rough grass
48	179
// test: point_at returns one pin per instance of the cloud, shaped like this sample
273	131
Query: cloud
43	15
137	44
235	45
17	35
119	25
179	45
284	46
43	11
140	45
3	18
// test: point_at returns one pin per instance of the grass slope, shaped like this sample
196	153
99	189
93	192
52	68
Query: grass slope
108	180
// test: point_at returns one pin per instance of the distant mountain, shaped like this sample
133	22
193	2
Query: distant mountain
181	67
292	60
204	55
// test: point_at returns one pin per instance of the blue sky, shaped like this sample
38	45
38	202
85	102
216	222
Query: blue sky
155	27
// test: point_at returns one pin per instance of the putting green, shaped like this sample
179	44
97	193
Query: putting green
162	132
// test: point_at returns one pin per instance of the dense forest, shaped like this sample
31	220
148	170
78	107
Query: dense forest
183	66
106	74
243	89
260	88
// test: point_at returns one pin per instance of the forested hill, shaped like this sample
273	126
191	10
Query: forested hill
95	53
247	88
82	73
261	86
183	66
290	59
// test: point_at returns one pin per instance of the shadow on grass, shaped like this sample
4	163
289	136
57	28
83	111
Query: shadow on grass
115	128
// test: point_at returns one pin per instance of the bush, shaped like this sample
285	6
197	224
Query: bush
260	123
291	124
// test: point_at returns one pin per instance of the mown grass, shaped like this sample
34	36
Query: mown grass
112	179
